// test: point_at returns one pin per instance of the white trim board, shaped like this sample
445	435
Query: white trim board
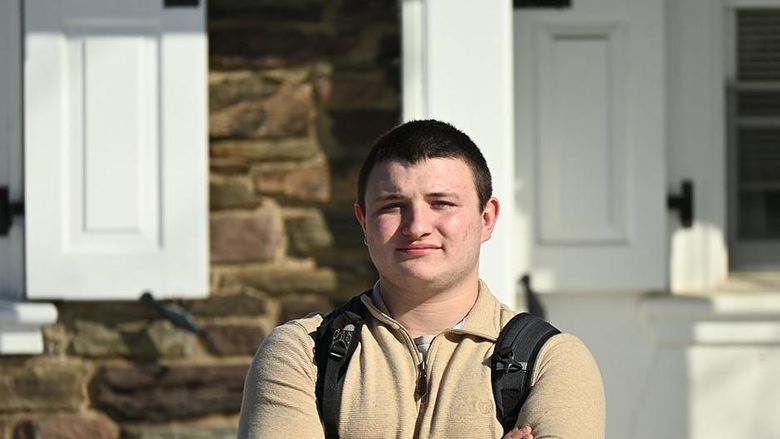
20	327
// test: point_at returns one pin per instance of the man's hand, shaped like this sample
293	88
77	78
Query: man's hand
520	433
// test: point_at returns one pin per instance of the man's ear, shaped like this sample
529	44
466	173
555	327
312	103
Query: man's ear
489	217
360	216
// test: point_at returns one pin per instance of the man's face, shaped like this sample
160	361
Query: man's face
423	223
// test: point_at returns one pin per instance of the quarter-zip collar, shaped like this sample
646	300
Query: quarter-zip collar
481	321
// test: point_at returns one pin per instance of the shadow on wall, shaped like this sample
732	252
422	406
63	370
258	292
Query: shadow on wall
645	382
298	92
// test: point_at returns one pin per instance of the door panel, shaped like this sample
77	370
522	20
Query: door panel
590	134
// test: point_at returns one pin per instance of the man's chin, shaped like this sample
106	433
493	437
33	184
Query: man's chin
420	279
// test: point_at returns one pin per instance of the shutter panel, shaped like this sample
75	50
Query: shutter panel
115	149
591	139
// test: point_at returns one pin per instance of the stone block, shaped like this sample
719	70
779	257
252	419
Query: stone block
388	58
55	340
306	230
353	282
241	236
366	53
169	341
290	112
287	113
236	338
159	339
267	10
234	305
293	75
282	278
230	88
110	311
229	165
43	386
359	91
354	271
360	12
67	426
344	227
227	192
181	431
93	339
153	392
301	181
297	307
359	129
256	149
344	185
258	47
242	120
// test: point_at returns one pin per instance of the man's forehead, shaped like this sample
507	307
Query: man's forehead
452	174
426	163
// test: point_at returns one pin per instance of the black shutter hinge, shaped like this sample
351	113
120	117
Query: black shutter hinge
8	210
181	3
541	4
683	203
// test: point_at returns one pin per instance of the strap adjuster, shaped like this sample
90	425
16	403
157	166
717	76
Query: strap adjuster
342	338
505	361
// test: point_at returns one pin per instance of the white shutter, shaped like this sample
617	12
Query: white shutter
591	139
115	149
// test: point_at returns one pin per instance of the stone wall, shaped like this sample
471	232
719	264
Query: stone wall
298	91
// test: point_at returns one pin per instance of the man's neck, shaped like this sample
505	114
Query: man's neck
432	313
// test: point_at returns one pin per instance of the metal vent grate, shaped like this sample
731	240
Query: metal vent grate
759	158
758	45
758	103
756	119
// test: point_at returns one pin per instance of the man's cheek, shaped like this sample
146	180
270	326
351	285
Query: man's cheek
386	229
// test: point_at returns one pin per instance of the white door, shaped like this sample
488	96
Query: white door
11	251
115	148
590	131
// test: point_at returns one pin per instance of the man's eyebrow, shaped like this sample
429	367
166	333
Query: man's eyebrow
388	197
443	195
394	196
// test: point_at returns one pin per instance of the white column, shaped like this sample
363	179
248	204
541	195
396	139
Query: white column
457	67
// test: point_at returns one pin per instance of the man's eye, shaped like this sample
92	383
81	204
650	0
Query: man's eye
442	203
389	207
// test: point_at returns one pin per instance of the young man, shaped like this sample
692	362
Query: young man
422	367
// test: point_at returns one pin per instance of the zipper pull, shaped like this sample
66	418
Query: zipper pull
421	389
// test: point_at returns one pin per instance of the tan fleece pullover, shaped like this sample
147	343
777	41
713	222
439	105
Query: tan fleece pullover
566	398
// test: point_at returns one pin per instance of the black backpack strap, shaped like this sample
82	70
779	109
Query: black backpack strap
335	341
512	364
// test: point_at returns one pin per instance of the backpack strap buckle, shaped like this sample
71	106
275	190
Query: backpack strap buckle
505	362
342	338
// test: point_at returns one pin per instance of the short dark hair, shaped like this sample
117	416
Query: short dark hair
418	140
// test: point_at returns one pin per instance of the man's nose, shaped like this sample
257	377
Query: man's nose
416	222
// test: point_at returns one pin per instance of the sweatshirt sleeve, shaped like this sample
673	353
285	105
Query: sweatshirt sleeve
279	398
566	400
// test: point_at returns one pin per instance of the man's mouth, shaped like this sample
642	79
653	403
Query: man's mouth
418	249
